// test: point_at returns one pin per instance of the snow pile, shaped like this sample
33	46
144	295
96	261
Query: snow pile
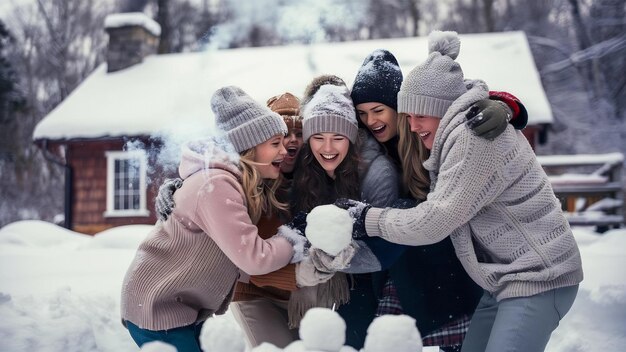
329	228
37	233
123	237
157	346
58	294
393	333
220	334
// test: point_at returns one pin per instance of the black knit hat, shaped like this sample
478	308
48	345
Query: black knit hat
378	80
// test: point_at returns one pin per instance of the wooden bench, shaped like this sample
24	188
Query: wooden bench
589	186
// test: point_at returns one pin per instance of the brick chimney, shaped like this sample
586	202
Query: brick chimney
132	36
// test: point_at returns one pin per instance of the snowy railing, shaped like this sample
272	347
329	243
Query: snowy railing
594	197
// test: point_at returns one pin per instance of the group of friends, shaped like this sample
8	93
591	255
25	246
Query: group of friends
455	222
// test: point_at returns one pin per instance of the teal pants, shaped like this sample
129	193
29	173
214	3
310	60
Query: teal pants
522	324
185	339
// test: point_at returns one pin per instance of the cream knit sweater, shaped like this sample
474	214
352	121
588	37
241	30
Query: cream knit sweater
495	201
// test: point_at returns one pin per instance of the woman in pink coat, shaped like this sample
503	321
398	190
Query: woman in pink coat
187	267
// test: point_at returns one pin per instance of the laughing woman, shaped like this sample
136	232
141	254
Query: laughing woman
187	267
492	199
338	161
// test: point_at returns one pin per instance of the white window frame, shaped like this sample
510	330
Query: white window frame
112	156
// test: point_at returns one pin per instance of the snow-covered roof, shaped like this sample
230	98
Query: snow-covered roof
132	19
168	91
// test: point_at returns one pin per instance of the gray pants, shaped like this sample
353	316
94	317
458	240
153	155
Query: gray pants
517	324
264	320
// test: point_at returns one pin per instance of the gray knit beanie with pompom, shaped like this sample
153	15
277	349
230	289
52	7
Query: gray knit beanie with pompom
245	122
326	107
430	88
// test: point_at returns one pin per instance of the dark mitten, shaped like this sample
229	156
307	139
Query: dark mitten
488	118
300	243
358	211
164	203
404	203
520	115
298	222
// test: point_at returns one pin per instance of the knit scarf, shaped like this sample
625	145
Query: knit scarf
332	292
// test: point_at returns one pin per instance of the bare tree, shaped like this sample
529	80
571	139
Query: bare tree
413	7
163	18
488	16
58	43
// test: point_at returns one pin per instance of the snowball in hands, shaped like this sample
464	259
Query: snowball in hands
329	228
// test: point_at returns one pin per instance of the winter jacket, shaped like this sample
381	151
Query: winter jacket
495	202
275	285
379	185
379	176
430	282
186	268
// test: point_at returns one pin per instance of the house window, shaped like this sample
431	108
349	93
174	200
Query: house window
126	183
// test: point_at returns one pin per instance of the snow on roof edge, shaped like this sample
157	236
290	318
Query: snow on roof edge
118	20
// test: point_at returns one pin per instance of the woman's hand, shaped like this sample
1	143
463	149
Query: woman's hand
164	203
358	211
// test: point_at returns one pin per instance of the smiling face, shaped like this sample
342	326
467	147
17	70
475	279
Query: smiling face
330	149
269	155
425	127
292	142
380	119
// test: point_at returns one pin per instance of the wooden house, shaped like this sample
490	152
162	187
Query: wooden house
111	132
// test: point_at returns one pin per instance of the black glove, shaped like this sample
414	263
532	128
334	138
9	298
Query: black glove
404	203
164	202
488	118
358	211
298	222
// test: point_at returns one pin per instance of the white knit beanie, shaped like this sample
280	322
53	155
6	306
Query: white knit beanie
430	88
246	122
327	107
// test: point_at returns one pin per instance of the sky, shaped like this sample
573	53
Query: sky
60	292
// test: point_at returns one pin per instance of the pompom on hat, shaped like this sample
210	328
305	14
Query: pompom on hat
378	80
327	107
430	88
245	122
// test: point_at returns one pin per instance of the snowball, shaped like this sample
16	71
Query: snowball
157	346
266	347
296	346
329	228
221	334
322	329
396	333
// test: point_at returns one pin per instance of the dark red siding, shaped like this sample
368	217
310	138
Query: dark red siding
89	163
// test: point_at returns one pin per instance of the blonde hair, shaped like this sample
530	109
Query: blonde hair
260	194
412	154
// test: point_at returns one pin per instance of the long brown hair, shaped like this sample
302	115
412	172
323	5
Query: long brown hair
260	194
310	181
412	155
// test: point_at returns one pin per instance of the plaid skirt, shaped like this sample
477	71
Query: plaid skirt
449	337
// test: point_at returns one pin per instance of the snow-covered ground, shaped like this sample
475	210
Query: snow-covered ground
59	290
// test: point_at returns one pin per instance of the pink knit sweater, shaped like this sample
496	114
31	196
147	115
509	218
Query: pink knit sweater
187	267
